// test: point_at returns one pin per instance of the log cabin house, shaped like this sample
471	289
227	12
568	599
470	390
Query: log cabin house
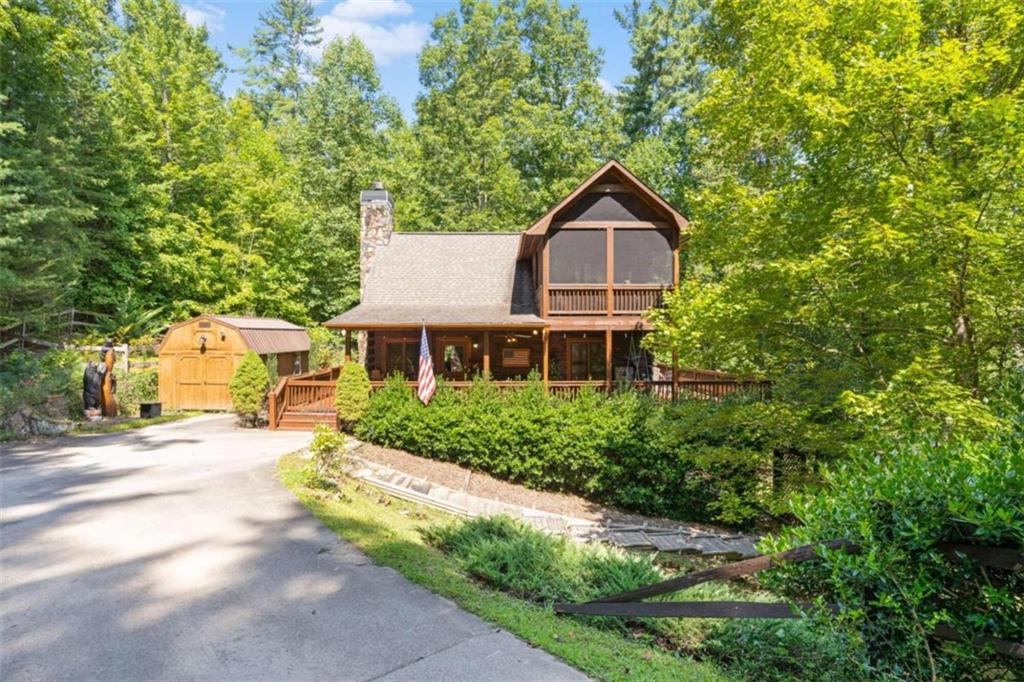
566	297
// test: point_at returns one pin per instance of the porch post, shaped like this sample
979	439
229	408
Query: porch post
608	360
675	375
348	345
544	371
487	354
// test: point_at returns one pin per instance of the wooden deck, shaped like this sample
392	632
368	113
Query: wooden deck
304	400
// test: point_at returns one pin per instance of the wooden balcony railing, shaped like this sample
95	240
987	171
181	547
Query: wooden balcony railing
578	300
635	300
592	299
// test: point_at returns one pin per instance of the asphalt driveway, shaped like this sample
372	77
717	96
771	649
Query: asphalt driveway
173	552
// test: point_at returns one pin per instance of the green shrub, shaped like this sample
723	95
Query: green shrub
352	393
781	651
37	389
521	560
135	388
326	447
692	460
896	501
248	387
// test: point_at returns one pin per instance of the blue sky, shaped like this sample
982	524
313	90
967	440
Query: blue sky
394	30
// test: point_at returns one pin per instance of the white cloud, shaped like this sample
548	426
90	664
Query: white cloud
205	14
371	9
607	86
369	21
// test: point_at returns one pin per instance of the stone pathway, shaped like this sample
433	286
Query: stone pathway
681	538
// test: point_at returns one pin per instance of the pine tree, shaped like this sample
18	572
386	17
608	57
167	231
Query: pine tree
277	58
344	143
49	114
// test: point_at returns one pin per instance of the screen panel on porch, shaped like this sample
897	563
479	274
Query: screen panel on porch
642	257
578	257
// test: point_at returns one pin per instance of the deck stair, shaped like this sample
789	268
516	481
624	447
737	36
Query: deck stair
300	402
295	420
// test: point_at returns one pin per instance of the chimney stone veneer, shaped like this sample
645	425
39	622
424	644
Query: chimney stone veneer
376	224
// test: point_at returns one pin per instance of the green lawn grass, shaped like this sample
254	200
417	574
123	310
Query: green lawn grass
386	529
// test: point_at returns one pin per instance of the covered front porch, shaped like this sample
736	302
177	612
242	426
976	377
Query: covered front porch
565	358
578	355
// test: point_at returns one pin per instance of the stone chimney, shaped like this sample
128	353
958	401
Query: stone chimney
376	223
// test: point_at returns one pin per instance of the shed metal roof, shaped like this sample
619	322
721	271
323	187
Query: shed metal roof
446	278
268	334
262	334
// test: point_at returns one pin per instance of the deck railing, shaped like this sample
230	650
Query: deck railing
307	392
313	392
592	299
578	300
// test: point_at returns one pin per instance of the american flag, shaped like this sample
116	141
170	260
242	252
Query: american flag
427	384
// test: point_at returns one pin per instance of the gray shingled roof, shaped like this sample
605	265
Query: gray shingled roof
446	278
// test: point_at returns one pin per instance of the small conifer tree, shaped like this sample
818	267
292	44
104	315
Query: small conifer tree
351	394
248	387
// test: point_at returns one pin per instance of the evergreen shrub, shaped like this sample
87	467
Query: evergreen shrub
248	388
692	460
352	393
135	388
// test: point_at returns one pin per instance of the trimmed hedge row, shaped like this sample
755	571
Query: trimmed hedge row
692	460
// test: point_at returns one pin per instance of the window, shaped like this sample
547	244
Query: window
578	257
402	356
586	359
642	257
454	356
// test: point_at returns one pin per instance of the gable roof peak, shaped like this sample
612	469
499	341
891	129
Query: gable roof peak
533	235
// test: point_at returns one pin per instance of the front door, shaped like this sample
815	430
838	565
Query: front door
453	357
586	359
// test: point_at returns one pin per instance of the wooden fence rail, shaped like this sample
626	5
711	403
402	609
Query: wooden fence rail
627	604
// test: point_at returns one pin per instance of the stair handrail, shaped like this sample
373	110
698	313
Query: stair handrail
277	403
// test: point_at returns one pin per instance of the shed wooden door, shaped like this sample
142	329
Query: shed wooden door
202	382
218	371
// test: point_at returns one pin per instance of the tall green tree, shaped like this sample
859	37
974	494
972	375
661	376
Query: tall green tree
257	221
656	101
344	143
861	174
164	88
50	120
513	114
277	58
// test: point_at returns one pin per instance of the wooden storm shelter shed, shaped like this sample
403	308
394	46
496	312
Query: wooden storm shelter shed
566	297
198	357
